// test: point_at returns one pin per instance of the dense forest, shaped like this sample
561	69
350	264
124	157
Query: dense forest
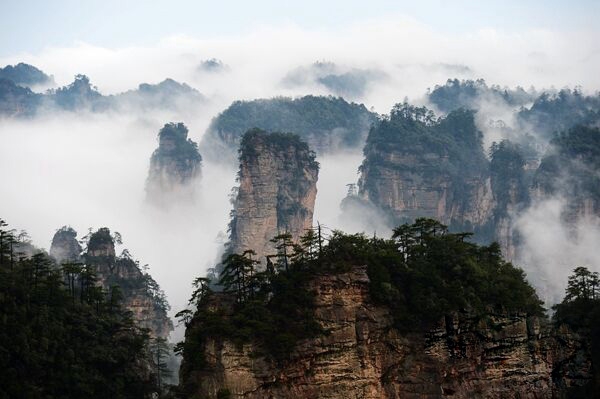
64	336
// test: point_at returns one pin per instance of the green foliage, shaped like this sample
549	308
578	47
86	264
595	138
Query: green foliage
310	117
61	336
559	112
424	272
79	94
449	147
576	155
580	310
457	94
24	74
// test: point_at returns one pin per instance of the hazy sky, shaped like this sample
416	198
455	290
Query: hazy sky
30	25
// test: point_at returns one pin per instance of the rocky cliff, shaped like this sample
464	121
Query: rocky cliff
65	247
364	356
141	294
174	166
510	182
416	166
277	190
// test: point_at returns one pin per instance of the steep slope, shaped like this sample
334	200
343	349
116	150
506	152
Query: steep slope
141	294
364	357
277	190
65	247
174	166
423	315
416	166
510	185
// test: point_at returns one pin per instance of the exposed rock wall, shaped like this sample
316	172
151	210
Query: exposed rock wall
141	294
65	247
401	184
418	166
174	166
363	357
277	190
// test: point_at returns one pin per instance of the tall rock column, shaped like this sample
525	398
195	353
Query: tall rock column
174	166
65	247
277	190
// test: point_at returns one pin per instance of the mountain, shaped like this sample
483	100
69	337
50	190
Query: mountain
327	124
167	94
425	314
25	75
17	101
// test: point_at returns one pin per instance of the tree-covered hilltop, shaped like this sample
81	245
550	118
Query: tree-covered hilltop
570	168
580	310
557	112
455	94
421	274
25	75
326	123
168	94
17	101
64	336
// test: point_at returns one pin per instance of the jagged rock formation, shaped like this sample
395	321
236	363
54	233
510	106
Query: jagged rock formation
174	166
141	294
416	166
65	247
327	124
363	356
278	176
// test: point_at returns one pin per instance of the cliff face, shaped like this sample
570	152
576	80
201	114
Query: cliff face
65	247
510	180
362	356
416	166
401	185
174	166
141	294
277	190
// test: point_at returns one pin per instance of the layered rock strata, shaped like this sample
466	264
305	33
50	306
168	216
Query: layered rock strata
276	194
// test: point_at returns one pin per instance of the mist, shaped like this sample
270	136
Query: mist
89	169
551	249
